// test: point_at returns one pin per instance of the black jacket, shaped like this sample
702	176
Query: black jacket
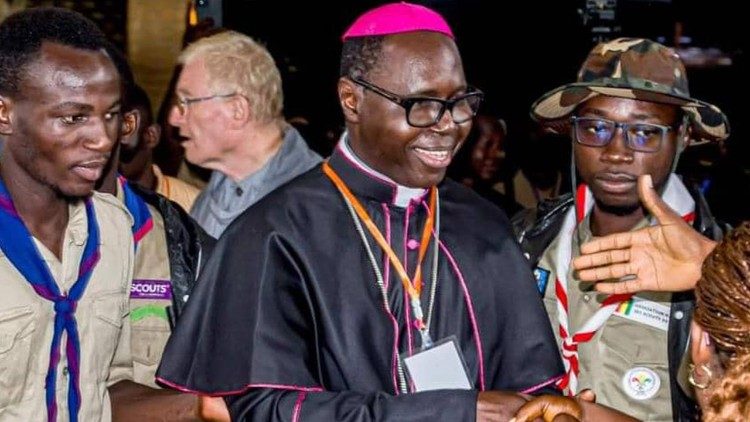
535	229
188	247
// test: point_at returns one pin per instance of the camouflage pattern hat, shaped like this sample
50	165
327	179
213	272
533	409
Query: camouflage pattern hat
633	68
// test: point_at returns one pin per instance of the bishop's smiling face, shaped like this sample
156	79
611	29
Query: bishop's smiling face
423	64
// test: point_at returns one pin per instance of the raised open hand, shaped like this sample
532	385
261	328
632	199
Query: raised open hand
664	257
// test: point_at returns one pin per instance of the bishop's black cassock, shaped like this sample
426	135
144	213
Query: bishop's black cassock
288	318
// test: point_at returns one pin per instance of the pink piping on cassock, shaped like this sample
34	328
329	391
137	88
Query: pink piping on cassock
407	305
373	174
386	261
369	173
469	304
241	390
541	385
386	277
298	406
470	307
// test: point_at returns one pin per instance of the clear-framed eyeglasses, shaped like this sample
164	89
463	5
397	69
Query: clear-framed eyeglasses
599	132
182	103
426	111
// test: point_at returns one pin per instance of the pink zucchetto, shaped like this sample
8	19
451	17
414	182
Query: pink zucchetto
397	18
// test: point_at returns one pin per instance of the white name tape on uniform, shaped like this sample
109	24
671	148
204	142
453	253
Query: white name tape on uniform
647	312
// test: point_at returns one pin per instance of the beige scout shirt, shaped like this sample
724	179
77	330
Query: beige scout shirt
175	189
26	321
626	363
150	295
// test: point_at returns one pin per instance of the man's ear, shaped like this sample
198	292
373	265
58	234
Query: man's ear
349	98
240	110
151	135
131	121
6	124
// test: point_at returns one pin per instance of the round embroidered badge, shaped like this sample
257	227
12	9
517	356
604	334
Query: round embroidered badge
641	383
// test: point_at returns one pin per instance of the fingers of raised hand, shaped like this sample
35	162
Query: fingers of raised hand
619	287
613	241
607	272
599	259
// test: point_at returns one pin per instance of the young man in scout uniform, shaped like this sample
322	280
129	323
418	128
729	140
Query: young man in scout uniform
629	114
66	252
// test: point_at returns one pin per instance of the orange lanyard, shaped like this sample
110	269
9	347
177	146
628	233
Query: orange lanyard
414	289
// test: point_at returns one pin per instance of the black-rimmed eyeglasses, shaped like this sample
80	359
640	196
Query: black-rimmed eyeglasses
426	111
182	103
598	132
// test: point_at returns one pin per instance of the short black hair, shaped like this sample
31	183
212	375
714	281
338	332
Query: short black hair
22	35
127	79
361	55
137	98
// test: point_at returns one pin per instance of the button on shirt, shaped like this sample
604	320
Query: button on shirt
224	199
26	321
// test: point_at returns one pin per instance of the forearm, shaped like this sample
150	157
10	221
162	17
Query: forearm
278	405
136	402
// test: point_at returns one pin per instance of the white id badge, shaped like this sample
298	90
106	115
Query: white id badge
441	367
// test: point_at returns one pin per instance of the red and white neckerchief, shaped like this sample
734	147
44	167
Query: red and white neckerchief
676	196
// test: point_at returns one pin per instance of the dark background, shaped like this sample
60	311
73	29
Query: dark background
513	50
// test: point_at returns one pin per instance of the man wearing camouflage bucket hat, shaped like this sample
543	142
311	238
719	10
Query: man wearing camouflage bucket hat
639	69
629	114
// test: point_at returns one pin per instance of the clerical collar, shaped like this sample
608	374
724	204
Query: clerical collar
365	181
